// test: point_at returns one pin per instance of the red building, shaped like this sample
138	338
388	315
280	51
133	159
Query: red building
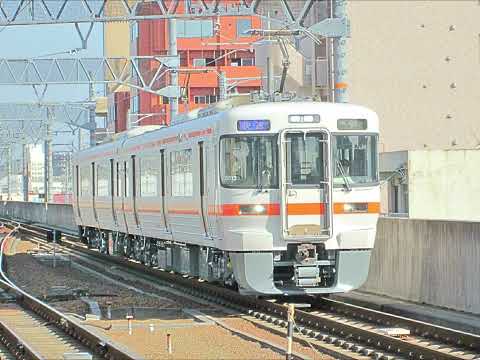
206	47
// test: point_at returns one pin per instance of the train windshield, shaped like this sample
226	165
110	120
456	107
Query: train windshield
354	160
249	161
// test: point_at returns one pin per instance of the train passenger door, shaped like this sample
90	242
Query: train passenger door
94	192
116	179
124	193
134	190
306	188
203	187
211	185
113	181
77	192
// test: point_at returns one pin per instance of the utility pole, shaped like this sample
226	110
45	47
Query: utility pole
172	50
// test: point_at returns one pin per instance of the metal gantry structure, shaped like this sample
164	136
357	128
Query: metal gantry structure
146	73
294	16
23	123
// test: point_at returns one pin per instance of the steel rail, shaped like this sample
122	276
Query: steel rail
72	328
16	345
424	329
308	322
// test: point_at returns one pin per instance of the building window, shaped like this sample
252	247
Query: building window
205	99
242	26
134	31
135	101
181	172
242	62
199	62
248	62
149	176
194	28
204	62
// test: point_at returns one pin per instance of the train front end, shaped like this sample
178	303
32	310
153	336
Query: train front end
304	178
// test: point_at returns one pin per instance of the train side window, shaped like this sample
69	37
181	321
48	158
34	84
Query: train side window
181	173
93	180
103	187
149	176
118	180
126	180
134	177
112	174
84	181
77	181
162	169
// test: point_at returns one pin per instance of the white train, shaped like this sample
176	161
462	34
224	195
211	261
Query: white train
273	198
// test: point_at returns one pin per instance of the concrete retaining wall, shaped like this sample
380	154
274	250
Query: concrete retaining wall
427	261
57	215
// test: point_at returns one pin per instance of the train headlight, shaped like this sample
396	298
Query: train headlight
355	207
256	209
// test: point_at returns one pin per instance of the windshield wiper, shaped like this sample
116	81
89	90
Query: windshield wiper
344	177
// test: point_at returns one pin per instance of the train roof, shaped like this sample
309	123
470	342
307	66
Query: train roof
218	116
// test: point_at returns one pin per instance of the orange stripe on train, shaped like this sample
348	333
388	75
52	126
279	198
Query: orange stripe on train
306	209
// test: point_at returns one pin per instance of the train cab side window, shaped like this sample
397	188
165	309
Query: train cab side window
355	158
181	173
84	181
149	176
103	179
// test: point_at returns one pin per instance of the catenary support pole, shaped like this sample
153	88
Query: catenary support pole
25	172
339	56
222	85
172	50
91	114
48	159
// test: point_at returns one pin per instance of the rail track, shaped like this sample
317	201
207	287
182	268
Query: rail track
339	329
31	329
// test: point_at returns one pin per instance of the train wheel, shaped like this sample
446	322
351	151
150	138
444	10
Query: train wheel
153	260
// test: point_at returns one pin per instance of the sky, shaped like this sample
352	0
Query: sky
47	41
34	41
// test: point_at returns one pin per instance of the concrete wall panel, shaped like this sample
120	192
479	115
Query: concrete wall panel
417	64
444	184
57	214
427	261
